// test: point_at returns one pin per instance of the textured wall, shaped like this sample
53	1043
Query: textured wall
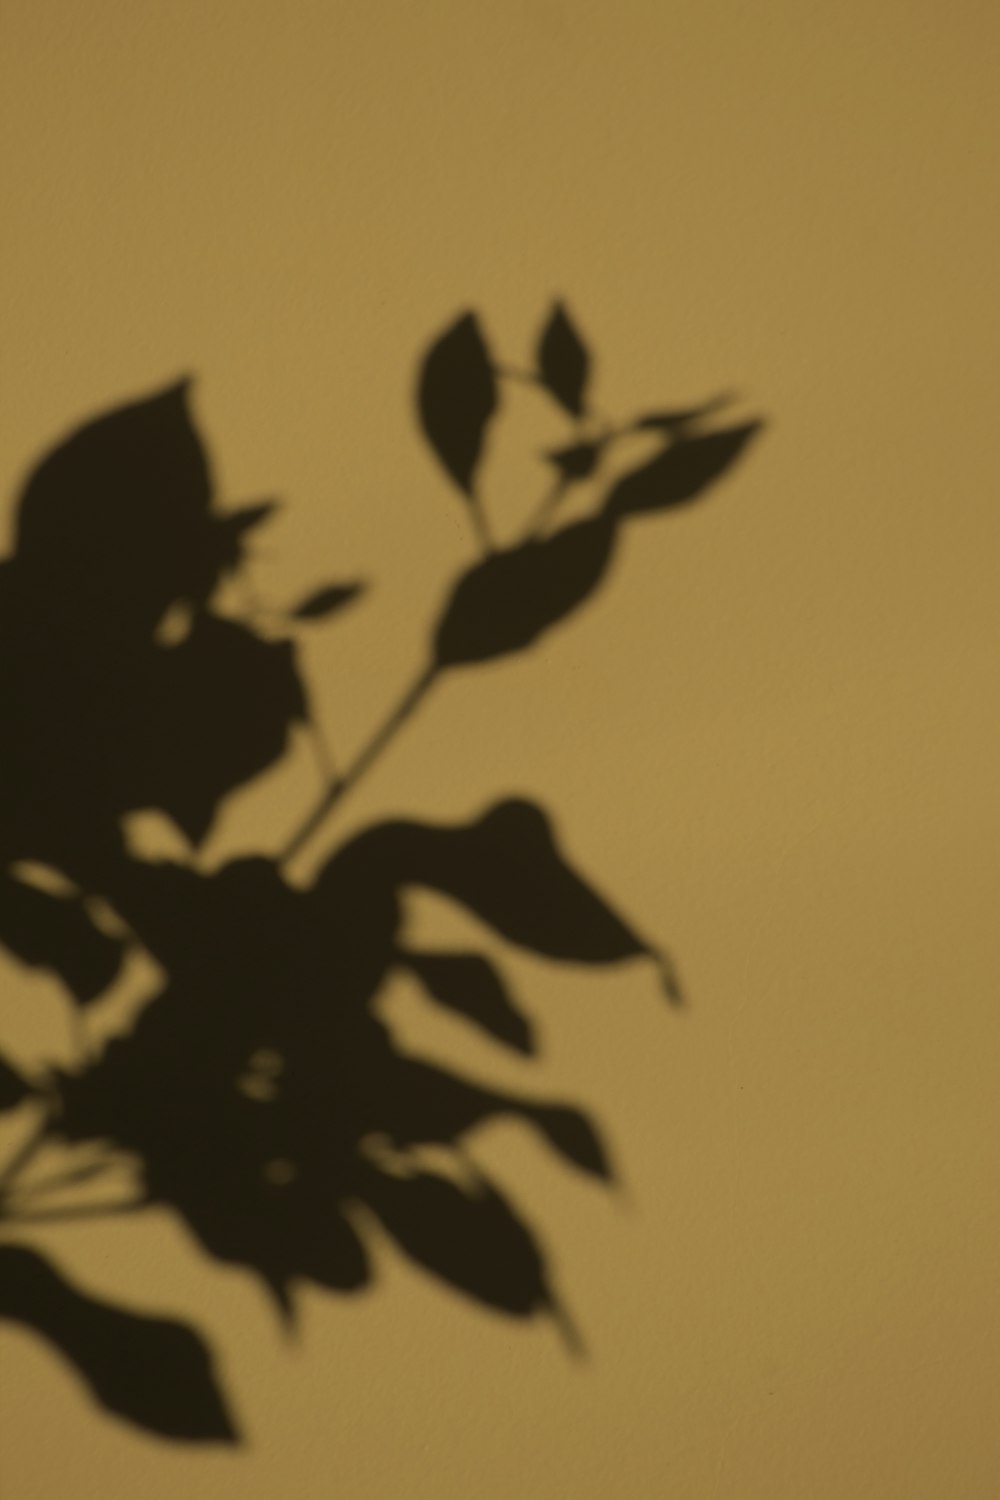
774	735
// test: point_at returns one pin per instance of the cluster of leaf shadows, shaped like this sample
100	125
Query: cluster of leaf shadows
258	1094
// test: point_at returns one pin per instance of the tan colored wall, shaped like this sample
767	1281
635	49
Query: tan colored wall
774	736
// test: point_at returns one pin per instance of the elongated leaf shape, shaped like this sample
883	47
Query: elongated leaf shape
424	1103
563	361
120	689
326	601
506	868
680	473
143	459
572	1134
471	1239
469	984
456	397
55	932
670	421
155	1372
508	600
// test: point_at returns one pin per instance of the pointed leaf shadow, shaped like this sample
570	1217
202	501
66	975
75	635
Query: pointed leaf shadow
511	598
456	397
154	1372
469	984
563	361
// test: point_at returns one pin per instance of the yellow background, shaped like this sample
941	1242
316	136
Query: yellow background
773	737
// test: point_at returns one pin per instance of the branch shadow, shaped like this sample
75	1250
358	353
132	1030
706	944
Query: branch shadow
258	1088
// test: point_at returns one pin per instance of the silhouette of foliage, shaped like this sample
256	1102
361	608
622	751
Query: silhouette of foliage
680	473
505	867
674	423
258	1093
469	984
563	362
55	932
326	601
507	602
152	1371
457	397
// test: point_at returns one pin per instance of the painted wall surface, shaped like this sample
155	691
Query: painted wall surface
774	735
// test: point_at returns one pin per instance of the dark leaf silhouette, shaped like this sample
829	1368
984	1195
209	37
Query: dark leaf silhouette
427	1104
469	984
508	600
672	421
456	397
116	530
573	1136
13	1089
680	473
326	601
154	1372
470	1238
577	461
246	1083
55	932
118	516
563	361
243	1116
506	868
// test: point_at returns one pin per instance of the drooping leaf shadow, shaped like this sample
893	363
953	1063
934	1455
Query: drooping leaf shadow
151	1371
259	1091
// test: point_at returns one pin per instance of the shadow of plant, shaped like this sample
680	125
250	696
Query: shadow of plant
258	1092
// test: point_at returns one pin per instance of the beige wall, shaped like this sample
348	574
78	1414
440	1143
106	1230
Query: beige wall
774	736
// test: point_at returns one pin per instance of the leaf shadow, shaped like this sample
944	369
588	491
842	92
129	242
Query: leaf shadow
258	1088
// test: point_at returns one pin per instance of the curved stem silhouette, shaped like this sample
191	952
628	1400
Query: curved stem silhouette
366	758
